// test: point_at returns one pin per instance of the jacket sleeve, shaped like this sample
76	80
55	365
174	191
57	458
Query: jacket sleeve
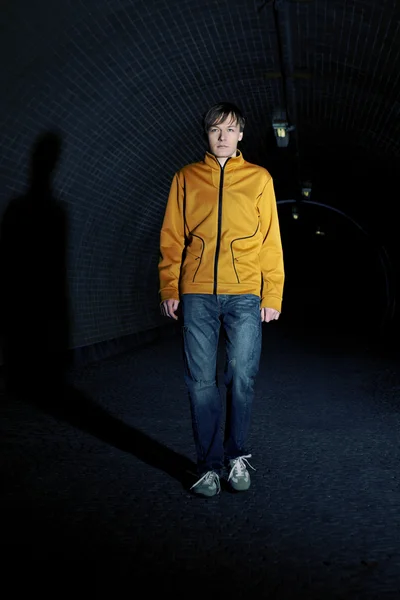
271	255
172	242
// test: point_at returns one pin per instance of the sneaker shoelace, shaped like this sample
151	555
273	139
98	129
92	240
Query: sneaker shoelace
209	478
240	466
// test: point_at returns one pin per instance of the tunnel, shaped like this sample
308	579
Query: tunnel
102	104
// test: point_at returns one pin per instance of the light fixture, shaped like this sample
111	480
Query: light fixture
306	189
281	130
295	213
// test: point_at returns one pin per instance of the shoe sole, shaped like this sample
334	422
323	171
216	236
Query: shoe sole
200	495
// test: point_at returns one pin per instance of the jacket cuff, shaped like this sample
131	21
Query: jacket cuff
271	302
169	294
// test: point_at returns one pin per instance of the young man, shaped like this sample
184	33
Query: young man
221	258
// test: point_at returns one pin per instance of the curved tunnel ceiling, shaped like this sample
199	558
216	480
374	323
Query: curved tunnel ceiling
125	83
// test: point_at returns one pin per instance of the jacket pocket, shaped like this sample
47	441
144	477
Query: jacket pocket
245	257
193	258
247	267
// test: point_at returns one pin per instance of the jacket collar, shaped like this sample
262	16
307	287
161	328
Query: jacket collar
230	164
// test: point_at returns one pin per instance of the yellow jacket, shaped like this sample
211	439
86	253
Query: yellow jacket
220	233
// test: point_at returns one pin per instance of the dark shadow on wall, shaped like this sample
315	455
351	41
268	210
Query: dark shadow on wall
35	320
35	317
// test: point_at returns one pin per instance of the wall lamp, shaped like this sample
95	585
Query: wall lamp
281	130
306	189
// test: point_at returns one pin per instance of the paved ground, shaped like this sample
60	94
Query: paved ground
95	484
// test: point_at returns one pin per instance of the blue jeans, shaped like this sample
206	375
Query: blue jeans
203	316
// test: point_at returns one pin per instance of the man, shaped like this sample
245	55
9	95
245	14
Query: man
221	260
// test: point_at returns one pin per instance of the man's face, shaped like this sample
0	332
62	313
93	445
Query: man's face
223	138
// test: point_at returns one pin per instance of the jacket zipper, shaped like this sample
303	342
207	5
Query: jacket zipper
221	186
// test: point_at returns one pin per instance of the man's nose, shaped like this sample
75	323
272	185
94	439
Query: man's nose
222	136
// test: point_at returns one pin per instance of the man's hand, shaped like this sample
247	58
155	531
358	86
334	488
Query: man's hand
269	314
169	308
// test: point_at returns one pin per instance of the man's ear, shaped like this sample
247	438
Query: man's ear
240	136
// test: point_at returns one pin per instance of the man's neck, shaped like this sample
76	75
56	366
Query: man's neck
222	161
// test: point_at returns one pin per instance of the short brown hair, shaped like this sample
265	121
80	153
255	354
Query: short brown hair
219	112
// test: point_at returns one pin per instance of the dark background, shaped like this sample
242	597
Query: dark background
124	85
101	102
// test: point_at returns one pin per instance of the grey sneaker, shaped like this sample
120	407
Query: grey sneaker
239	477
208	485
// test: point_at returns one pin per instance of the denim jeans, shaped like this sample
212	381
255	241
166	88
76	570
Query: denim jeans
203	317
